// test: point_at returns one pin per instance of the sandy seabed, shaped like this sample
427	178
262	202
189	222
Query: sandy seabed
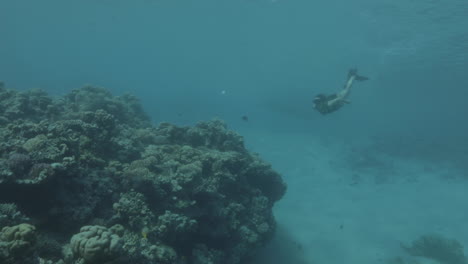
340	210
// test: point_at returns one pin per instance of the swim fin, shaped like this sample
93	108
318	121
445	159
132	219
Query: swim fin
353	72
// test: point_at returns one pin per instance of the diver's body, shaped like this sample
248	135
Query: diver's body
327	104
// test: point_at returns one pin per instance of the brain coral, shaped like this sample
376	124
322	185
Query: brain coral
95	244
16	242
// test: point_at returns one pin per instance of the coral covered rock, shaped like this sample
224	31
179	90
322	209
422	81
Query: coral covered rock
140	194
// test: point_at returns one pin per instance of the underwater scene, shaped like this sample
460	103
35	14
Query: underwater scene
233	132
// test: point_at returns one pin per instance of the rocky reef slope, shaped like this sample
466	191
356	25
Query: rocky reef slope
85	178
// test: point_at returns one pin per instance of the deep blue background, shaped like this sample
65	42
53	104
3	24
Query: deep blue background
269	56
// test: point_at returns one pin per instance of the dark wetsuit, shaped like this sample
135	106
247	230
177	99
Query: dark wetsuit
321	104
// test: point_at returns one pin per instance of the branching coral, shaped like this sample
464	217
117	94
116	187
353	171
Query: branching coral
9	215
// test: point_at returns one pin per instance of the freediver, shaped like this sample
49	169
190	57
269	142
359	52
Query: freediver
326	104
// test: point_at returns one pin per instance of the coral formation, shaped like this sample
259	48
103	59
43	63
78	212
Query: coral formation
439	248
90	166
95	244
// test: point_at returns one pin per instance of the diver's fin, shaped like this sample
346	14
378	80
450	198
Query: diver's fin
353	72
361	78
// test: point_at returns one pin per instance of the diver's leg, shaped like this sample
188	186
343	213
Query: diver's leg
343	94
347	89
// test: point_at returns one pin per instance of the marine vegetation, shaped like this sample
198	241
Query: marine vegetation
86	178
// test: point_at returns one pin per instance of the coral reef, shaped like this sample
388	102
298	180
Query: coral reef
101	184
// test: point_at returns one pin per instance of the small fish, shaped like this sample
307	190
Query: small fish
245	118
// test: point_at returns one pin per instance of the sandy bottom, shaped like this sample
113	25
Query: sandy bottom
348	206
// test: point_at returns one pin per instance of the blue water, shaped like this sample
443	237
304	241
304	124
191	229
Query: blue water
195	60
